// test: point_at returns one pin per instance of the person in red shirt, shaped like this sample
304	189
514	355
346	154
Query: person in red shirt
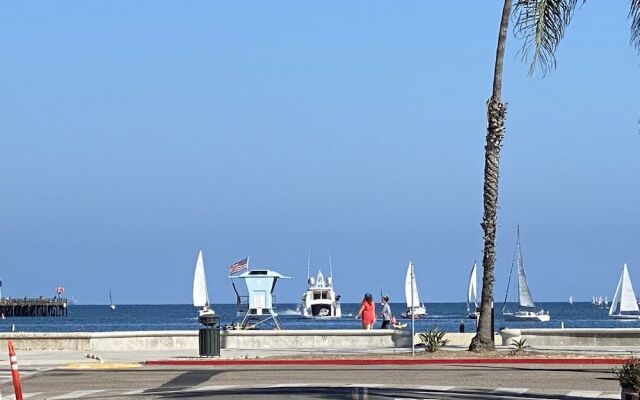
367	312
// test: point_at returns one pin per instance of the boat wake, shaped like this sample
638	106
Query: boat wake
289	311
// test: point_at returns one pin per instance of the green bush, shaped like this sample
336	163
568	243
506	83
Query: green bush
629	374
519	346
433	339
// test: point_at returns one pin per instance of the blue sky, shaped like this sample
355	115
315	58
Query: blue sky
135	133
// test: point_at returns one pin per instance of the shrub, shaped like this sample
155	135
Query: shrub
629	374
433	339
519	346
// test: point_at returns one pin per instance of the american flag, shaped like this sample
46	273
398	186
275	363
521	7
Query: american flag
239	266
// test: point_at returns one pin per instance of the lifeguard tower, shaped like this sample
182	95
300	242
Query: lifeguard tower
260	305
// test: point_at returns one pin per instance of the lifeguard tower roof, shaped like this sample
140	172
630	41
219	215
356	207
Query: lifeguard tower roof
259	273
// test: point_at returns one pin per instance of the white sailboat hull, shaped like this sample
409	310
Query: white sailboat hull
472	315
623	316
418	312
539	316
206	312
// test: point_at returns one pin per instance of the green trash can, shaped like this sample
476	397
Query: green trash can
209	337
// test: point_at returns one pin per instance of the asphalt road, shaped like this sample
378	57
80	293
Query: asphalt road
322	382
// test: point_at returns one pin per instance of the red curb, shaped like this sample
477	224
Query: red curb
404	361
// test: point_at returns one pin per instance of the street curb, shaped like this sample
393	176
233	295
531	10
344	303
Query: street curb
403	361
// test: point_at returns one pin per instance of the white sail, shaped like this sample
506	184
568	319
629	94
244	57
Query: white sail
524	294
471	294
200	295
624	300
411	287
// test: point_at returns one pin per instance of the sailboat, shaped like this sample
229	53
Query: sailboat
624	301
200	294
414	307
524	294
112	306
571	300
471	294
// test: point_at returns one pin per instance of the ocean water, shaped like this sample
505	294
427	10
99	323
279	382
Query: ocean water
445	316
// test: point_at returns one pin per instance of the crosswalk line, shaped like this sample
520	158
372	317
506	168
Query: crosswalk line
589	394
511	390
76	395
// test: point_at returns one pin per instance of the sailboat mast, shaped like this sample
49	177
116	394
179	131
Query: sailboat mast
308	266
413	315
506	295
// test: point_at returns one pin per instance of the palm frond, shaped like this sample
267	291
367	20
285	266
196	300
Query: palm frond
541	25
634	16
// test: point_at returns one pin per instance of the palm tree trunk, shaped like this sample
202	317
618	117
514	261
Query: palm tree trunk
496	112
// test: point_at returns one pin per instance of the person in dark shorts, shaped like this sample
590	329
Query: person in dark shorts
386	313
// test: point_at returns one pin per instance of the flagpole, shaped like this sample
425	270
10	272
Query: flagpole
413	316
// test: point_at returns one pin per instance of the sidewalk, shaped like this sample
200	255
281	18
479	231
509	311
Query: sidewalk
448	354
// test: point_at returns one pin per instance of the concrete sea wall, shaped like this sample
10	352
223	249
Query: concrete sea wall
347	339
581	337
188	340
309	339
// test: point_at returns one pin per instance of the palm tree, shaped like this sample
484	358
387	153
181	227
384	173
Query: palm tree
540	24
496	111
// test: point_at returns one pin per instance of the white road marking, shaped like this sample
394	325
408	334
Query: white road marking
24	396
211	388
589	394
289	385
76	395
137	391
511	390
438	388
610	395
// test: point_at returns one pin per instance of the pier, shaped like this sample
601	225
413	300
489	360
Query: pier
38	307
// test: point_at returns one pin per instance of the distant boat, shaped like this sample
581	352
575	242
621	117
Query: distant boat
320	299
414	307
571	300
200	293
472	297
524	294
624	305
112	306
